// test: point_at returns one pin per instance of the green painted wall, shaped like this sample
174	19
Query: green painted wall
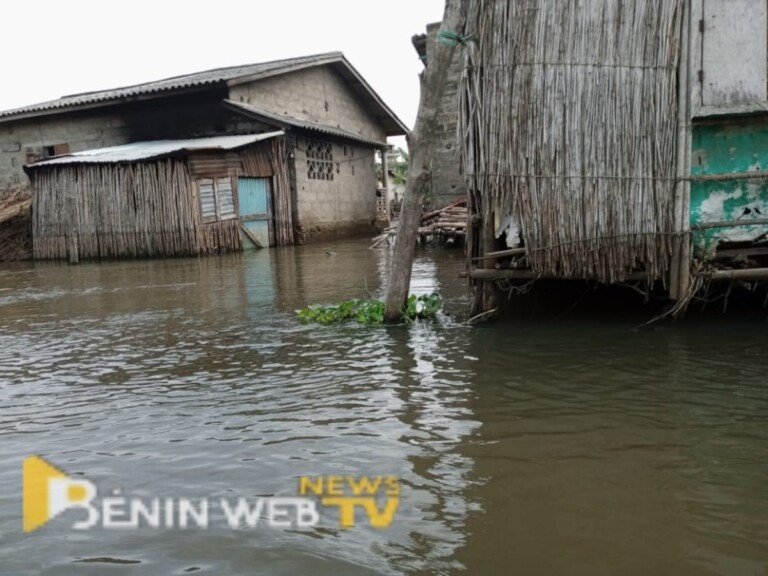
722	147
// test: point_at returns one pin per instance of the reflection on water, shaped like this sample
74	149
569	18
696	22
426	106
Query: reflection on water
539	448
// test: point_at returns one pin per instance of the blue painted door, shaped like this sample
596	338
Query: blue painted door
255	210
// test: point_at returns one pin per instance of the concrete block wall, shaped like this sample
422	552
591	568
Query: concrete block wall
447	181
315	94
24	141
343	206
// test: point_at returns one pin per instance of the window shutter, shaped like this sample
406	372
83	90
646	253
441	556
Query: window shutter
226	198
207	199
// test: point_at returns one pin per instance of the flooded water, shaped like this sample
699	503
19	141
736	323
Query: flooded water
568	447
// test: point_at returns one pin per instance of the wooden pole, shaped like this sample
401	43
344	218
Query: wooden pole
745	274
421	146
680	264
72	244
385	183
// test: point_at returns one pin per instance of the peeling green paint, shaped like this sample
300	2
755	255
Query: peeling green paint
734	145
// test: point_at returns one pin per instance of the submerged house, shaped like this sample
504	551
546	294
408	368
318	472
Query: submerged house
616	141
163	198
265	154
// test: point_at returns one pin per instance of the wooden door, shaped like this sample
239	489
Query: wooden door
255	204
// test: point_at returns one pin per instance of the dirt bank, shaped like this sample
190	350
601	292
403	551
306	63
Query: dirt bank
15	225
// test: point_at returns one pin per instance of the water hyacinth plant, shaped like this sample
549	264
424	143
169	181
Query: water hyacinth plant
370	311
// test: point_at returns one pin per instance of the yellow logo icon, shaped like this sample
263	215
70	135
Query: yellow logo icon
47	492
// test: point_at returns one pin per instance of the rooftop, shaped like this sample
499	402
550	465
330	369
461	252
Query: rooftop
154	149
218	77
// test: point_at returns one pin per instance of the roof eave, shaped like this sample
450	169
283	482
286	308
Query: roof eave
108	102
185	148
287	123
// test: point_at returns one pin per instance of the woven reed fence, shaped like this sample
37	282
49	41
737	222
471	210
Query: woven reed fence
567	121
122	210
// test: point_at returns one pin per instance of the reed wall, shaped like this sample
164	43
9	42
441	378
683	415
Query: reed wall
149	208
114	210
567	122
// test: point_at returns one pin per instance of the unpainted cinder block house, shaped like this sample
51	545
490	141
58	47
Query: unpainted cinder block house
311	126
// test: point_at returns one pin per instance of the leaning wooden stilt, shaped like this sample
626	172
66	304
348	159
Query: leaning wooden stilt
422	144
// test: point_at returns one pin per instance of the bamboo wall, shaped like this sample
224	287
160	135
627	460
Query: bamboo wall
567	118
114	210
150	208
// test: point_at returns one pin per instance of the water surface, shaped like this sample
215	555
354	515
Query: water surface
549	447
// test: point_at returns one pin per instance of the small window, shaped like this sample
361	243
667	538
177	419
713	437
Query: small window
217	199
55	150
319	160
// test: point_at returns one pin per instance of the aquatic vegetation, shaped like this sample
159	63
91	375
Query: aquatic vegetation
370	311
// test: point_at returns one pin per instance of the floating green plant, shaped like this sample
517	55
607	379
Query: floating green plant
370	311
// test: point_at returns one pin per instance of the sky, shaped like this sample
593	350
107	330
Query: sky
52	48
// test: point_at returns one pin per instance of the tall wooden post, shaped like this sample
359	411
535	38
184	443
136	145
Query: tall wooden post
421	147
679	274
385	182
73	248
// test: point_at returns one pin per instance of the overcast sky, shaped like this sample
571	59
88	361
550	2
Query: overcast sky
53	48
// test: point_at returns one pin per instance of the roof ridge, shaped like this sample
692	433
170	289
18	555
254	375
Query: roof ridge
209	71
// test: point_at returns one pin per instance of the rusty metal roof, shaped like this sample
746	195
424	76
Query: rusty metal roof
219	77
288	122
154	149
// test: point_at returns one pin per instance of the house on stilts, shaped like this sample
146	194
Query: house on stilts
268	154
615	141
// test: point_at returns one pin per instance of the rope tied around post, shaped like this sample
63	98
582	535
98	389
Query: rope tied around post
450	38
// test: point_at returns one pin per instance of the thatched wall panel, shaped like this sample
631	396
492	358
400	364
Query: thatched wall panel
568	115
116	210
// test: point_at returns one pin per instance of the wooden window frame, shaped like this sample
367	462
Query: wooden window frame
217	198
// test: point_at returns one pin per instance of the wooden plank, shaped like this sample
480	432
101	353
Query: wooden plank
256	216
251	236
502	253
487	275
753	175
745	274
748	251
741	109
434	213
730	223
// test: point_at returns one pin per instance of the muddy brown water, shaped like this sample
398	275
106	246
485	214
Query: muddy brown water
543	447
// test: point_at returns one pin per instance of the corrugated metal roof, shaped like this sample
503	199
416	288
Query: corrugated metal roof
154	149
220	78
197	79
286	121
